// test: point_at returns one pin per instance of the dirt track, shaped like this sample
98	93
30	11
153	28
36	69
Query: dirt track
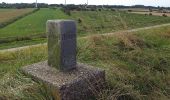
132	30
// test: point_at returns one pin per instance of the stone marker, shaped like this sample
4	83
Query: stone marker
62	44
63	76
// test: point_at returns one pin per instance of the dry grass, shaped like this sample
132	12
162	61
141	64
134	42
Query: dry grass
153	13
130	41
9	14
166	35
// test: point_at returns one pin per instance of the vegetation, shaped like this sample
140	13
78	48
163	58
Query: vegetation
93	22
16	44
89	22
137	66
8	16
31	24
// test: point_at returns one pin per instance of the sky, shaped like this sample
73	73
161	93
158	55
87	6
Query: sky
165	3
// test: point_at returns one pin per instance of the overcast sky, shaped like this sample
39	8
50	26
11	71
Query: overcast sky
99	2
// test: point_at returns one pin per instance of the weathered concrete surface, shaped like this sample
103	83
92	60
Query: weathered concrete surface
78	84
62	44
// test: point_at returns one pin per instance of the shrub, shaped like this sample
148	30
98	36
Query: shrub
99	9
79	20
113	10
164	15
129	10
150	14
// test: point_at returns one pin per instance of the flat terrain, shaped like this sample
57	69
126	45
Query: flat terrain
153	13
92	22
14	46
89	22
31	24
136	64
32	28
9	14
136	9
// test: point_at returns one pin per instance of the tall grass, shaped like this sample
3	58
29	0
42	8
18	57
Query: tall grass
136	65
138	60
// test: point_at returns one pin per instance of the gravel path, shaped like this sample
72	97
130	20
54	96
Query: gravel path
132	30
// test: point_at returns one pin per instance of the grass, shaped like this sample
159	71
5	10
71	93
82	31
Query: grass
137	66
88	22
16	44
10	14
31	24
93	22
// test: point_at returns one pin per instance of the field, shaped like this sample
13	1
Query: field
31	24
109	21
9	14
153	13
32	28
88	22
136	9
136	64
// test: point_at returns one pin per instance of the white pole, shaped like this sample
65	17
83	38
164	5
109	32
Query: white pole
87	2
36	4
65	2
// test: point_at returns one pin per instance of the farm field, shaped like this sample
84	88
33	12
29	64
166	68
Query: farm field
31	24
9	14
136	9
89	22
136	65
153	13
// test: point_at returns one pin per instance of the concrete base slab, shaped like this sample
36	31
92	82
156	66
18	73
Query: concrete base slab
79	84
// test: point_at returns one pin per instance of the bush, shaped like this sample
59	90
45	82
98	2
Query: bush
129	10
99	9
66	10
150	14
113	10
164	15
79	20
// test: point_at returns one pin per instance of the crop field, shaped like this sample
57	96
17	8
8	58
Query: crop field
9	14
136	65
153	13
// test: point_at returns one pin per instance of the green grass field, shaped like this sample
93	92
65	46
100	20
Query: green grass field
88	22
137	66
31	24
93	22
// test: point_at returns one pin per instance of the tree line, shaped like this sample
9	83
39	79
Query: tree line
74	7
